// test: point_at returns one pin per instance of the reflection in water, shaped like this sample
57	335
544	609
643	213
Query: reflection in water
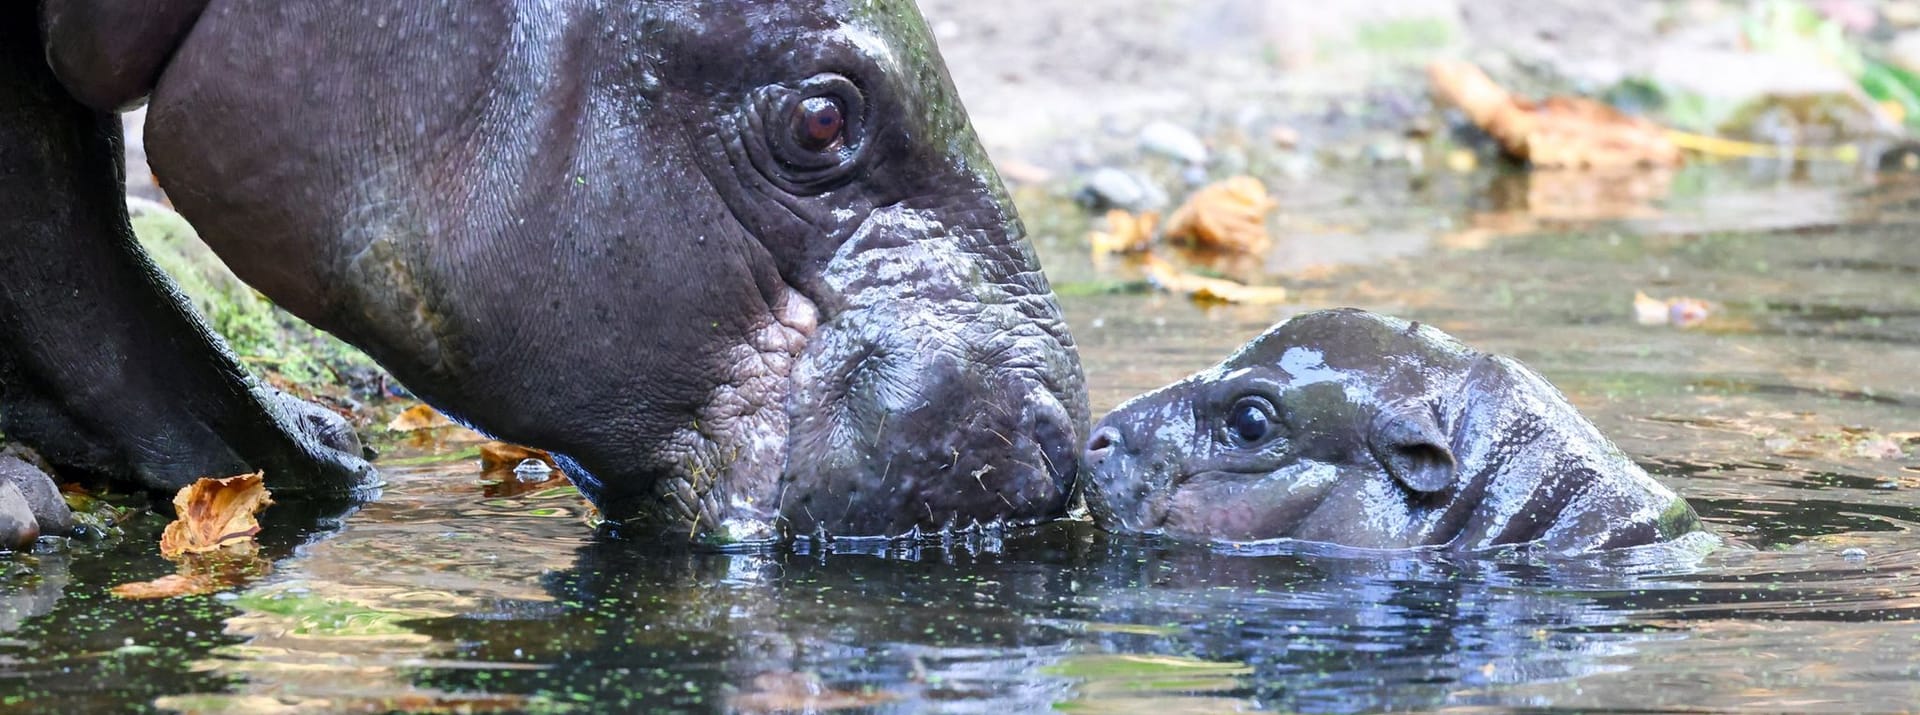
1779	420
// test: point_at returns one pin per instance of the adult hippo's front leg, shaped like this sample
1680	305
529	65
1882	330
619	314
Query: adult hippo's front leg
741	265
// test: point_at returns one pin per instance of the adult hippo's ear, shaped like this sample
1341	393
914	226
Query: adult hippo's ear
1410	445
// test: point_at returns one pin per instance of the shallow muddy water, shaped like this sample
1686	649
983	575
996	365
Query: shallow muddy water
1776	418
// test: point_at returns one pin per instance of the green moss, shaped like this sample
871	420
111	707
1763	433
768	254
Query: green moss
263	335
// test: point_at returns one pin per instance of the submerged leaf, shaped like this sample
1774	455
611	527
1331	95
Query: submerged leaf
215	513
801	692
1558	132
1230	215
200	574
1208	290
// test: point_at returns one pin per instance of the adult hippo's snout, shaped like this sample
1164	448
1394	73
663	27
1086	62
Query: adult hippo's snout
944	393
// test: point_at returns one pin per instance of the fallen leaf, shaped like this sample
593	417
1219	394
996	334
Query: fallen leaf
1208	290
496	456
215	513
1558	132
1127	232
200	574
1678	312
1230	215
418	417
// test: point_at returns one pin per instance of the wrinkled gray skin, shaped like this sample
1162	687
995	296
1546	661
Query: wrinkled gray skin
1377	434
591	227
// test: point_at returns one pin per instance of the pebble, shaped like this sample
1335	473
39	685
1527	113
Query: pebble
1172	140
1854	554
532	470
1108	187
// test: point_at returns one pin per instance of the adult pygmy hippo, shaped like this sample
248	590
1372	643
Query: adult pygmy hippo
742	266
1357	429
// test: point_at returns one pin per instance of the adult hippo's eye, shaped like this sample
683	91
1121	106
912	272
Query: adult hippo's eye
1250	420
810	133
819	124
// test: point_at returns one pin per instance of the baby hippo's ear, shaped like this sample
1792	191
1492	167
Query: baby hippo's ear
1409	444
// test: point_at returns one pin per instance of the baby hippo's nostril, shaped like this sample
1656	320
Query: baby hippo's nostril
1105	440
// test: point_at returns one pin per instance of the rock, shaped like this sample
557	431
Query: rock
1172	140
18	528
1109	188
42	496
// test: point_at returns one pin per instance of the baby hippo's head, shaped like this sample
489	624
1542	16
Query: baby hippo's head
1352	428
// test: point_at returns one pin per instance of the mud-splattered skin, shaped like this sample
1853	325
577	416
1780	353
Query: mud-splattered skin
1357	429
741	265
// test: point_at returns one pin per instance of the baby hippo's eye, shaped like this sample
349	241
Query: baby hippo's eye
1250	420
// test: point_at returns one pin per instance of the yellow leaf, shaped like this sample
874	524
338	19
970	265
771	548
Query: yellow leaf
418	417
1230	216
1208	290
214	513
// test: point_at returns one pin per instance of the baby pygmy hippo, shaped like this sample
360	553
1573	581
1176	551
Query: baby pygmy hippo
1352	428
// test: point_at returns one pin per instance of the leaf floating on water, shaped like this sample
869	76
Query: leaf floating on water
418	417
1208	290
1558	132
1127	232
170	586
215	513
198	575
1677	312
502	456
1230	215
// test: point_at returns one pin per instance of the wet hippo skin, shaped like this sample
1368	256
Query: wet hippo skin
742	266
1357	429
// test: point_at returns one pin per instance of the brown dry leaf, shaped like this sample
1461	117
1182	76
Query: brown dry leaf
214	513
1678	312
166	587
200	574
495	456
1208	290
1230	215
418	417
1127	232
1559	132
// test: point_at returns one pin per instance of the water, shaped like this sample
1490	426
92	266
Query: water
1772	418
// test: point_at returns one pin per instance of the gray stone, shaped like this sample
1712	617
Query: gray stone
18	528
1175	141
1108	187
42	496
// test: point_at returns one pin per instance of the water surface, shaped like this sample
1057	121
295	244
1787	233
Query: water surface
1773	418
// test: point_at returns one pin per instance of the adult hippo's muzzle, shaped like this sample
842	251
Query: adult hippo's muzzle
943	393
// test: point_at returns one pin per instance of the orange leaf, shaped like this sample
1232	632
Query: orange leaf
1559	132
212	513
167	587
1230	215
1126	232
496	456
418	417
1208	290
198	575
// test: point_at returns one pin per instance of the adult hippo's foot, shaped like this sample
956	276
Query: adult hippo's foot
1352	428
741	266
103	366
